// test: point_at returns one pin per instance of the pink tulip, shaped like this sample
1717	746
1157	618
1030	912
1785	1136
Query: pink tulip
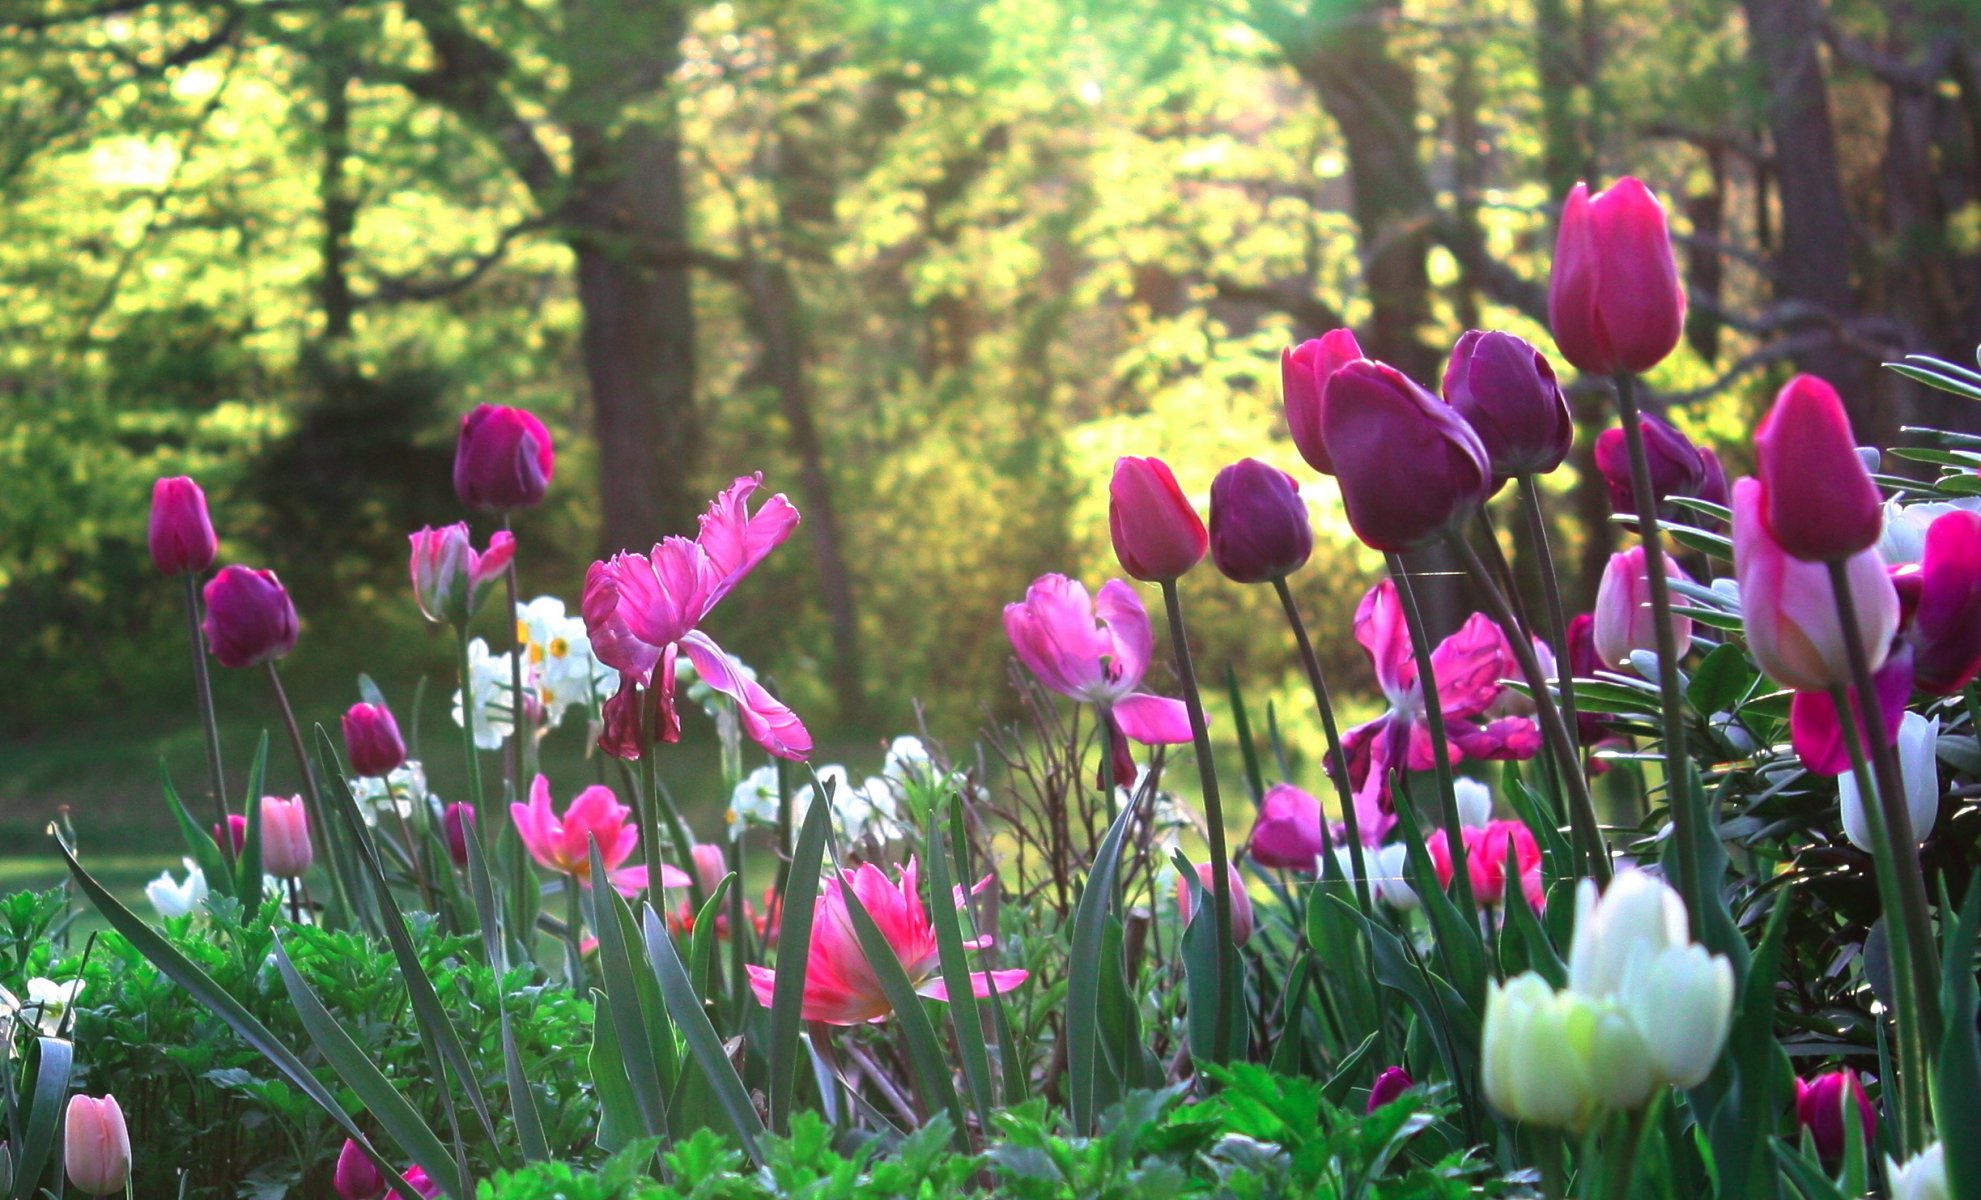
563	843
357	1177
1393	1082
250	619
285	837
237	832
840	985
1506	739
1789	611
1816	730
1946	626
1096	651
457	823
1614	299
710	866
1486	850
423	1185
636	717
96	1145
1506	391
503	459
181	534
1157	534
1288	832
1259	527
1624	622
641	608
1822	505
1819	1108
1409	466
371	739
1241	901
1304	371
451	580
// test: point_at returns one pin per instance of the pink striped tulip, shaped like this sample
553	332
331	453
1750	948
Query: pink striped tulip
1624	622
285	837
1789	611
563	843
1304	371
840	985
450	579
1614	299
180	536
96	1145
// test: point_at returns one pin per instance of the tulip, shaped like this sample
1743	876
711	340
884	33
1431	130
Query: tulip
1919	776
1304	371
1678	468
1623	620
450	579
1410	468
1638	914
503	459
1157	535
237	832
457	823
174	899
1681	1002
1921	1177
642	608
840	985
357	1178
1287	834
1486	850
1946	627
1259	528
710	866
1393	1082
181	534
249	617
96	1145
371	739
1816	731
1554	1058
1241	901
1820	1108
1789	609
1821	503
563	843
423	1185
1614	300
1506	391
285	837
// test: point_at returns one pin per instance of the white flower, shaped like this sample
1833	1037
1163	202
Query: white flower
51	1001
1389	873
1919	772
1681	1001
907	759
1904	536
1636	913
557	659
1475	802
1921	1177
754	801
401	792
488	683
174	899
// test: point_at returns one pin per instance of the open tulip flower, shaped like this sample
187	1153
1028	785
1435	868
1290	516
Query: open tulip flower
450	578
642	609
840	985
563	843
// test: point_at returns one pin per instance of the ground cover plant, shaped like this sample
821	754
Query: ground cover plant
1041	967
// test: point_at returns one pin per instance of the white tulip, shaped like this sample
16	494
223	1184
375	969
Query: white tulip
1681	1001
1475	802
1638	912
174	899
1919	773
1535	1067
1921	1177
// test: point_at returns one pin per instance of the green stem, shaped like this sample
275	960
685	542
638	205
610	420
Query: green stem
518	711
1427	683
203	684
313	813
1537	528
1337	757
1200	734
468	747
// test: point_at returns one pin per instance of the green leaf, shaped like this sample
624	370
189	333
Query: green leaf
200	845
1723	680
1084	1062
677	991
1957	1081
611	921
619	1113
963	1011
247	887
523	1102
1200	972
794	944
1243	732
52	1060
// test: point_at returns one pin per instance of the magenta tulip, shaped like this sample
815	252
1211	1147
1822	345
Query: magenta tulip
1614	299
357	1177
1393	1082
237	832
1304	371
1815	729
1287	834
1157	535
372	741
1623	621
96	1145
424	1186
1789	611
503	459
1678	468
1259	528
1820	1105
181	534
1822	505
457	824
285	837
1410	468
1946	626
249	617
1506	391
1241	901
450	579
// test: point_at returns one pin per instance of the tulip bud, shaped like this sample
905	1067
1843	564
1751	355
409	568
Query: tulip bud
1623	621
357	1178
371	739
1614	299
237	832
710	866
503	460
457	822
1921	1177
250	619
1678	468
1410	468
1946	627
450	580
1536	1051
1304	371
1637	914
1820	1107
96	1145
1259	529
1241	901
1815	726
1393	1082
1919	777
1681	1002
1157	535
1789	611
181	534
1822	505
285	837
1287	834
1583	663
1506	391
423	1186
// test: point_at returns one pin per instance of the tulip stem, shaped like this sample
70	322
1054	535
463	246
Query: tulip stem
1678	776
1581	808
1337	758
1427	683
1200	734
203	684
1537	529
318	822
518	711
468	747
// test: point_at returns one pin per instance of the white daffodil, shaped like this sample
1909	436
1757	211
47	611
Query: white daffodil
488	684
402	792
174	899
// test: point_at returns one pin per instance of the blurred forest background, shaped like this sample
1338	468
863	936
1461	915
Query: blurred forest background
930	265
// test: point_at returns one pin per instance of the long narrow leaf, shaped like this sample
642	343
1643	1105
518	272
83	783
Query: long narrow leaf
1957	1081
685	1005
955	964
522	1101
247	866
629	1017
54	1061
619	1113
1083	983
794	944
200	846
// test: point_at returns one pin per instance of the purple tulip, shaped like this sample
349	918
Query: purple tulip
1946	627
1822	505
357	1178
1678	468
249	617
1259	528
1614	299
1819	1108
1393	1082
1410	468
457	822
503	460
1304	371
372	741
181	534
1505	390
1288	832
1157	535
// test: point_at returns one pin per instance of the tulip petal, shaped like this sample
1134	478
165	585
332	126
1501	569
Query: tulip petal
1816	728
1153	720
981	983
769	722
